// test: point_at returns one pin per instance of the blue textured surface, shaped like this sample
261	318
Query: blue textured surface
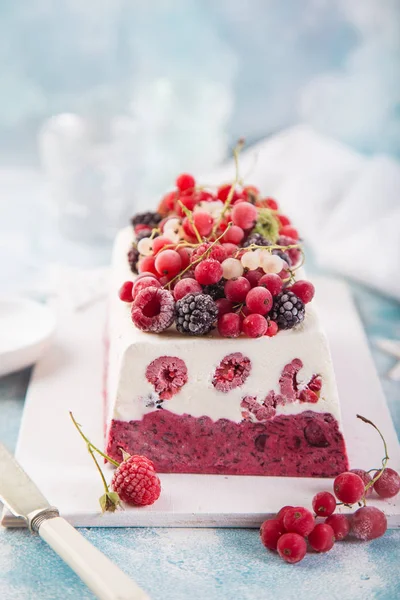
212	564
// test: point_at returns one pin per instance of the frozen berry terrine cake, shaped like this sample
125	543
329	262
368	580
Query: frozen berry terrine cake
216	359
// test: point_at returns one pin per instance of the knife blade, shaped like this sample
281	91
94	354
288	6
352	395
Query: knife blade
17	490
25	500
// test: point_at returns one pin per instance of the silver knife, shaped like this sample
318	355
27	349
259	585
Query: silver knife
25	500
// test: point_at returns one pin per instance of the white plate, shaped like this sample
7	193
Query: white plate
26	328
70	378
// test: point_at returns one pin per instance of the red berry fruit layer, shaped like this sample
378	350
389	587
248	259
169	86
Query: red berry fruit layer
284	446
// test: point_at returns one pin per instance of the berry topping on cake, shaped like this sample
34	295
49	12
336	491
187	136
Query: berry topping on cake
153	309
288	310
232	372
230	240
196	314
168	374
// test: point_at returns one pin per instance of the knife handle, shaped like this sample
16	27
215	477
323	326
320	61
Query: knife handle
102	576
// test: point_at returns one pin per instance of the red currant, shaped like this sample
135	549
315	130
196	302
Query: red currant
272	329
281	514
185	255
229	325
234	235
348	487
270	532
272	282
142	283
259	300
299	520
147	263
271	203
291	547
324	504
254	277
254	326
290	232
236	289
224	306
203	222
340	525
303	290
230	249
185	182
188	202
244	215
366	477
284	220
168	262
322	538
388	484
368	523
125	291
208	271
160	242
167	203
186	286
223	192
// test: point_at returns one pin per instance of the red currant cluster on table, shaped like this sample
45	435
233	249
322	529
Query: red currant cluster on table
291	529
225	258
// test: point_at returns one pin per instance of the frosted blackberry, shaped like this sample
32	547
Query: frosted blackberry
133	257
195	314
283	256
257	239
288	310
152	219
215	290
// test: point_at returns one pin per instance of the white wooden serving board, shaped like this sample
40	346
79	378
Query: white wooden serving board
70	378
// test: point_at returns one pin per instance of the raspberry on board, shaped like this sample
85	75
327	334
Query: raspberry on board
136	481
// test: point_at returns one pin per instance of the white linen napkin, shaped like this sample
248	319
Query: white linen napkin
346	206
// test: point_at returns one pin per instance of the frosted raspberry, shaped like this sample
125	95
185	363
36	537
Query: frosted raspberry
136	481
168	374
153	310
232	372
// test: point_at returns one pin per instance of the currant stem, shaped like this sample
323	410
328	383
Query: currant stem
384	460
89	443
228	201
90	449
189	215
190	266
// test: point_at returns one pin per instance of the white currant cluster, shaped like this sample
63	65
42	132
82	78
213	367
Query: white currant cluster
252	260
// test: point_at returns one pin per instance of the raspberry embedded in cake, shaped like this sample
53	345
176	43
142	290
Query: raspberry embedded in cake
232	372
168	374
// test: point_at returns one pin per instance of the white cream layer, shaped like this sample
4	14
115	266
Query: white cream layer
132	350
